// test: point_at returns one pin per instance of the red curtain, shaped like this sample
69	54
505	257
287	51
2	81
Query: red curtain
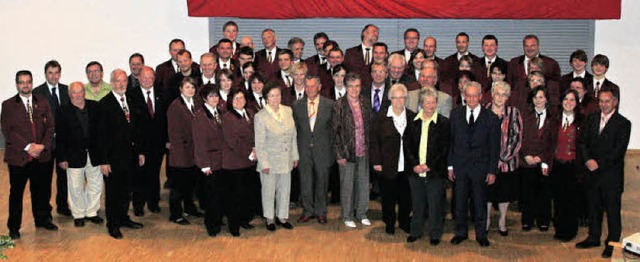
461	9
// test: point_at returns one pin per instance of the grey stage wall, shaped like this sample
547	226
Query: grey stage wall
558	38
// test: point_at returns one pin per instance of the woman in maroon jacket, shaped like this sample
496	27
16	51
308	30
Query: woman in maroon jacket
238	161
538	143
179	116
208	141
566	168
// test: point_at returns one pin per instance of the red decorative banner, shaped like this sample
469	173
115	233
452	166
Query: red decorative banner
460	9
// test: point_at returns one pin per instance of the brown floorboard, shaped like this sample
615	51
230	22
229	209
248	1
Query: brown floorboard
161	240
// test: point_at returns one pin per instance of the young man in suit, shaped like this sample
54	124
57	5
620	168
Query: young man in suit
411	40
225	56
318	59
167	70
313	116
28	126
599	67
119	151
604	144
377	91
147	102
136	62
450	65
229	31
490	50
58	96
578	61
473	161
75	136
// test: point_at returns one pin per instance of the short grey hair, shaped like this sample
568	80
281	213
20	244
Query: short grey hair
472	84
397	87
428	91
396	56
501	85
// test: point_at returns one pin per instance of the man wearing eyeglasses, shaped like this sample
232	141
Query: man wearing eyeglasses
96	88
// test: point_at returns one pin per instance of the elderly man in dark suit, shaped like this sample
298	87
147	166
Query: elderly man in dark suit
604	144
473	161
58	95
119	151
148	103
28	127
519	66
266	60
313	115
75	138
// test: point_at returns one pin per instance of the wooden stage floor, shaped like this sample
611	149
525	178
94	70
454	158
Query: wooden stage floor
161	240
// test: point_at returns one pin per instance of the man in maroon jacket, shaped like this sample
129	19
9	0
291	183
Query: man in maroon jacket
28	127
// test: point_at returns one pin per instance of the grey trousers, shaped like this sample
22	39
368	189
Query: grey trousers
354	189
275	190
426	197
314	183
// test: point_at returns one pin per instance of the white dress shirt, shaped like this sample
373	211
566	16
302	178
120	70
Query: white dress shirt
400	122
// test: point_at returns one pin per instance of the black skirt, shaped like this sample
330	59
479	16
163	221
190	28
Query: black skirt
505	189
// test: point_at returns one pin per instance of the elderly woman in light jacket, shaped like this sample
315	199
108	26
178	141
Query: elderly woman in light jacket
277	152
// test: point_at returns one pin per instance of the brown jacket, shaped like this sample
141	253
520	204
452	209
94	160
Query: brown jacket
208	139
17	132
179	119
238	140
344	127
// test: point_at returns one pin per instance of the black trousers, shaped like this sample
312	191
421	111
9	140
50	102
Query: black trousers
183	182
427	203
40	188
396	191
146	189
238	198
213	186
118	187
605	195
564	191
61	184
536	197
294	194
334	183
471	185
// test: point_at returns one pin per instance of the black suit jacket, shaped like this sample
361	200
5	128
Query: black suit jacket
385	144
154	129
474	149
437	145
366	94
118	140
165	73
72	145
607	148
62	92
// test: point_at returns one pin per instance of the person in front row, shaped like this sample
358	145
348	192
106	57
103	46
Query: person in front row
428	141
277	152
473	161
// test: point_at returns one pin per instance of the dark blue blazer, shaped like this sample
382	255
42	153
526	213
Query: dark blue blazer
474	149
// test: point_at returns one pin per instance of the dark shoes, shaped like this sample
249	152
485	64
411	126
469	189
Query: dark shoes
14	234
458	239
95	219
181	221
607	252
131	224
78	222
543	228
504	233
322	219
390	229
286	224
138	211
434	242
304	219
411	239
271	227
48	226
64	212
526	228
588	243
483	242
115	232
213	231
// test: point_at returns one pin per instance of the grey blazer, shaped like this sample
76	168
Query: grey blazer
320	139
445	103
276	146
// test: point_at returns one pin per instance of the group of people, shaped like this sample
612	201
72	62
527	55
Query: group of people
247	133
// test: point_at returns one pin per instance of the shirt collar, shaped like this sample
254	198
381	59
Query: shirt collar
51	86
315	101
212	110
390	113
118	97
420	115
607	116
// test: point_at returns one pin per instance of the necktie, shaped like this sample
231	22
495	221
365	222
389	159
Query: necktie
149	104
488	69
323	60
33	125
538	115
177	68
394	81
367	57
261	102
471	118
126	110
209	82
376	101
597	88
288	81
312	109
225	66
217	117
54	97
566	124
191	108
269	56
603	122
246	118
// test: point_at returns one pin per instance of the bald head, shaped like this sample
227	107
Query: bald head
119	81
76	94
147	77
